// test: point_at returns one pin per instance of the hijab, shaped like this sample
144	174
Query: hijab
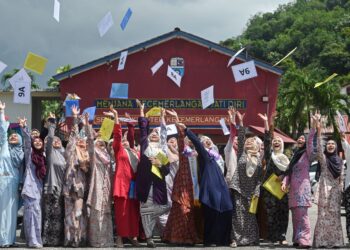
295	158
280	160
334	162
38	159
253	155
83	158
16	152
101	154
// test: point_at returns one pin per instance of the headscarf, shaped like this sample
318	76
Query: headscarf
103	155
280	160
16	152
334	162
83	158
253	156
295	158
38	159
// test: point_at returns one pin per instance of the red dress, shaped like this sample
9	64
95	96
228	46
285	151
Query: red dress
180	227
126	206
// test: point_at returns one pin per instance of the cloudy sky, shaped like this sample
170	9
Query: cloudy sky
28	25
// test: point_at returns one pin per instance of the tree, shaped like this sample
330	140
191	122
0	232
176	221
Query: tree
321	31
52	83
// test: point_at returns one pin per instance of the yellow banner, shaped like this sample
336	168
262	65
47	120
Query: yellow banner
35	63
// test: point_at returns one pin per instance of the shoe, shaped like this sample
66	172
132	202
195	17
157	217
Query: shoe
151	244
233	244
135	243
283	243
303	247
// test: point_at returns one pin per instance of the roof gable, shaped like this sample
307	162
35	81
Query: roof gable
176	33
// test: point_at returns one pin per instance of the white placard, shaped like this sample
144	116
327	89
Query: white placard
2	66
207	96
20	76
157	66
234	56
105	24
122	60
244	71
174	76
56	10
21	92
170	129
341	123
124	119
224	127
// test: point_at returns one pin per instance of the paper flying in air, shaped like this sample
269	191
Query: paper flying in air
291	52
119	90
207	96
224	127
155	111
174	76
91	111
122	60
21	92
2	66
35	63
157	66
105	24
126	19
20	76
56	10
234	56
325	81
244	71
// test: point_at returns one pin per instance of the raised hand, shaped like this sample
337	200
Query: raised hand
181	125
173	113
240	117
22	122
316	120
75	111
263	117
232	114
162	112
142	107
86	118
2	105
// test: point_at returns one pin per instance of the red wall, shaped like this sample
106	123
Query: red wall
203	68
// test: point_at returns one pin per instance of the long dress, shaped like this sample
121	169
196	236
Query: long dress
276	210
245	227
180	227
9	180
31	194
150	189
299	197
214	196
328	229
53	200
346	148
127	207
75	191
100	195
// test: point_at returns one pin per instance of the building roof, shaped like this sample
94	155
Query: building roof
176	33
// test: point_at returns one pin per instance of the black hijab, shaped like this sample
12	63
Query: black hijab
334	162
295	158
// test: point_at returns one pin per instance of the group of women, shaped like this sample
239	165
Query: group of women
179	185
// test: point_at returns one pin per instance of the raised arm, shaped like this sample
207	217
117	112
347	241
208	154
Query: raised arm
197	144
51	126
230	153
311	147
71	146
241	135
163	132
3	128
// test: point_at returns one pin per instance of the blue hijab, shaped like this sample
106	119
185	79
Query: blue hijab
16	152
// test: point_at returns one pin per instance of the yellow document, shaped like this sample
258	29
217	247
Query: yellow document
253	205
163	160
106	129
155	111
155	170
273	185
35	63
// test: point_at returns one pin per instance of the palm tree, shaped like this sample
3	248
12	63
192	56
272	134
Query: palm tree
8	75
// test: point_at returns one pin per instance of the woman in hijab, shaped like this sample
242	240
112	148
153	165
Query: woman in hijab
328	229
214	195
150	180
181	227
75	189
11	160
346	148
246	188
127	207
276	164
53	200
99	199
297	178
33	186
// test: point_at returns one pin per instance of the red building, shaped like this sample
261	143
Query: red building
202	63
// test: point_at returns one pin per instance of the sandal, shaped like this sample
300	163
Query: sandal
233	244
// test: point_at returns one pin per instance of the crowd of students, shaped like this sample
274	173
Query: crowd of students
93	193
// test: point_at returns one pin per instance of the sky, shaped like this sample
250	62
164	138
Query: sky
29	26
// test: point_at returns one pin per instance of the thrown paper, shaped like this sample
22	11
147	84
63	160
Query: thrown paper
122	60
105	24
207	96
157	66
174	76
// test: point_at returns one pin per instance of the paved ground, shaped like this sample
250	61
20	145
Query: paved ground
312	213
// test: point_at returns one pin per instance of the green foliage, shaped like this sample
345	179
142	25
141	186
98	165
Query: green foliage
321	31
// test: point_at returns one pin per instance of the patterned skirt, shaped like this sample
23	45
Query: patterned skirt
100	228
53	220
